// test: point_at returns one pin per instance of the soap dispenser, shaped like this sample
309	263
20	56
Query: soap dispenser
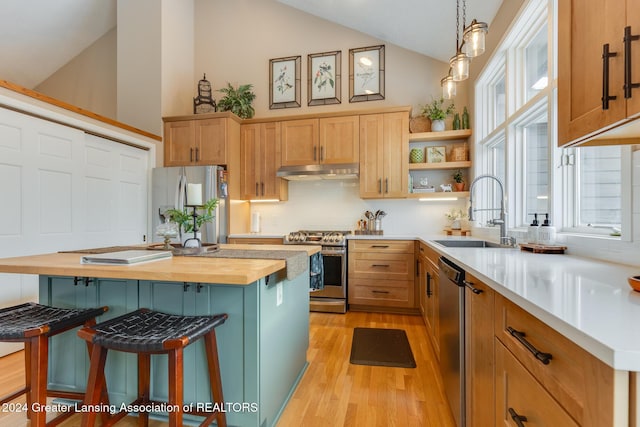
546	232
532	230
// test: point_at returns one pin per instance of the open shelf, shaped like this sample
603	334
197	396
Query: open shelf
439	194
445	135
441	165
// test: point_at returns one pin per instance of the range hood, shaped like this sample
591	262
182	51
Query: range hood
315	172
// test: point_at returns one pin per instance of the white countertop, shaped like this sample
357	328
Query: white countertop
588	301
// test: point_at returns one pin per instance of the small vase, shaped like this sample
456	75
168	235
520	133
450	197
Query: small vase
459	186
416	155
456	224
437	125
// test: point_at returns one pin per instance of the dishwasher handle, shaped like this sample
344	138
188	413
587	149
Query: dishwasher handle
451	271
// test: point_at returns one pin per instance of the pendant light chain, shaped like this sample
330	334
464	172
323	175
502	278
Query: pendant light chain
457	25
464	14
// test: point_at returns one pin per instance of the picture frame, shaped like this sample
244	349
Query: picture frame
366	73
284	82
324	83
436	154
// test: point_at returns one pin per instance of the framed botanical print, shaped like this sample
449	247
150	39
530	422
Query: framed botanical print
366	73
324	82
284	82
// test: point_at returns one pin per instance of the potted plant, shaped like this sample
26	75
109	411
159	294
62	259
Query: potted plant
437	113
238	101
184	217
458	179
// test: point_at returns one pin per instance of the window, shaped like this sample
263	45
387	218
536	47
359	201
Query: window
536	68
536	179
520	94
599	187
515	99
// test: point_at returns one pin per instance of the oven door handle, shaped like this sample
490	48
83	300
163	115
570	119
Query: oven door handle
333	252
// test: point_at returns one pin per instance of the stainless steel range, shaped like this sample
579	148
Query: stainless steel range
333	298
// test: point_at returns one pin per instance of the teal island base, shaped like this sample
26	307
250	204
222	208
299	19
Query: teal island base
262	346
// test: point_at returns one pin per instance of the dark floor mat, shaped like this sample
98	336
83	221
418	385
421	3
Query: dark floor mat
381	347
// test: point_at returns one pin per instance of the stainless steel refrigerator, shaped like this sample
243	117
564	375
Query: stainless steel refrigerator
169	188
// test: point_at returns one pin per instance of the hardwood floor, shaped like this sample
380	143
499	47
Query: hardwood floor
332	392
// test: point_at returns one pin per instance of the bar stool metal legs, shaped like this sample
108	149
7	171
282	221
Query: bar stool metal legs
33	324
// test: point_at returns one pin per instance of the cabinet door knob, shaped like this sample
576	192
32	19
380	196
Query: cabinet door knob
315	151
473	288
380	186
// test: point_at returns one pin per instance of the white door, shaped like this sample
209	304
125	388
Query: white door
62	189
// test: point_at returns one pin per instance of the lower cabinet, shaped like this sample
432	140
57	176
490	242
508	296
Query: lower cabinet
67	353
428	289
381	275
520	399
547	378
479	353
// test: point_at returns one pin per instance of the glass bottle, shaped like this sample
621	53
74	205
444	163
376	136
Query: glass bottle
456	121
465	119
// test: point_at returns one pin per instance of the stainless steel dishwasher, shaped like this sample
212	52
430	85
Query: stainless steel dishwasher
452	336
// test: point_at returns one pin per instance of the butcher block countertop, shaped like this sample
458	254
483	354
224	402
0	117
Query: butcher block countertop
176	269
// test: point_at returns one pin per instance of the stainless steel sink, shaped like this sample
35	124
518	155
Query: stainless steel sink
470	244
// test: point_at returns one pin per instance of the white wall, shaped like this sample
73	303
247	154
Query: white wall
235	40
88	80
323	205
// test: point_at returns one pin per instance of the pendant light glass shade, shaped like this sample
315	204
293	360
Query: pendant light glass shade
459	67
474	38
448	87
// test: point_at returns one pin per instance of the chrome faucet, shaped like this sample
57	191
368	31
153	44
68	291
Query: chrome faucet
502	219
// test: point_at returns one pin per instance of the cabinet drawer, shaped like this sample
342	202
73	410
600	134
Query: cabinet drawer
581	383
429	253
518	393
377	266
389	293
382	246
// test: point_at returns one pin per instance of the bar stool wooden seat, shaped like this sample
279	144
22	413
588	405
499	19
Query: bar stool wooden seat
33	324
146	332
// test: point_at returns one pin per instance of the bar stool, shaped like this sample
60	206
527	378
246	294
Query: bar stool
33	324
147	332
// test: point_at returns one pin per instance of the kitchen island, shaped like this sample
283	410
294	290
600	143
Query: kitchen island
262	346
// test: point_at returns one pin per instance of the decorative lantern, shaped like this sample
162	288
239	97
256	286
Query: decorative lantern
204	102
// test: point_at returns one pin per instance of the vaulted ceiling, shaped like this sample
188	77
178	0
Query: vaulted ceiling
37	37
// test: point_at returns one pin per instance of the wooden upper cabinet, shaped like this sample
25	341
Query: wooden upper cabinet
211	141
260	154
331	140
178	143
300	142
582	70
339	140
383	153
197	142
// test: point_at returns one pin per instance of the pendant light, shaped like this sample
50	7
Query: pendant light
474	37
448	87
459	63
473	44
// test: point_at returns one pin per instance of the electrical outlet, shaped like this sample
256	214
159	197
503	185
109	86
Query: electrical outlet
279	294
